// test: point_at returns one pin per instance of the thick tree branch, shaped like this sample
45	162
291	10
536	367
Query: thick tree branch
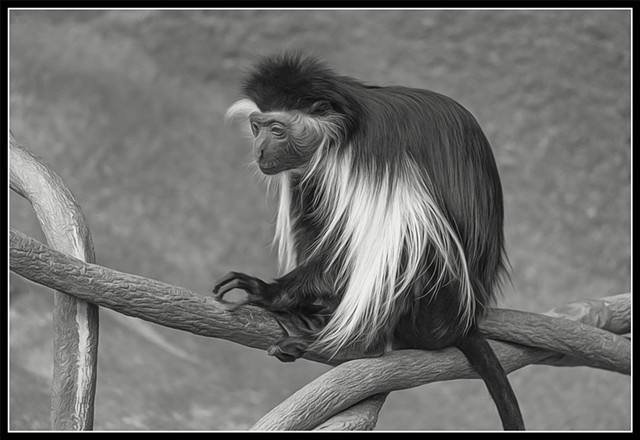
581	341
342	387
179	308
75	322
612	314
359	379
140	297
362	416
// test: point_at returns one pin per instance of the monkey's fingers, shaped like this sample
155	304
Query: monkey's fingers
230	306
221	291
226	279
254	288
237	280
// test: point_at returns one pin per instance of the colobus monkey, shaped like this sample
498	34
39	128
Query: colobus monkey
390	220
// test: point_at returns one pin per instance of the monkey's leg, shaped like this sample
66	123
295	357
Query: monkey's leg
302	326
290	348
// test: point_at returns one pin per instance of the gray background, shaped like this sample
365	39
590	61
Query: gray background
127	107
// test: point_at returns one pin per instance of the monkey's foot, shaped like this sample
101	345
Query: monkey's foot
289	349
306	320
256	289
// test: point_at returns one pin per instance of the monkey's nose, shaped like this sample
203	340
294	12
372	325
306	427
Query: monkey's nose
259	153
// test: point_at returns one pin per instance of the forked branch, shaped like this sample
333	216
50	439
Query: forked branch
75	322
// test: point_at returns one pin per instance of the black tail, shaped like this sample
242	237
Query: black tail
483	359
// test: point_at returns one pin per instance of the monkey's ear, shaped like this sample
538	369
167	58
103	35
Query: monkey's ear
320	107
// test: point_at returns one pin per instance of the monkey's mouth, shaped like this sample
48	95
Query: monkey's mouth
269	167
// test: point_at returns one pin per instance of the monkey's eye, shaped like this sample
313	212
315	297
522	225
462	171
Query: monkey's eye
278	130
255	128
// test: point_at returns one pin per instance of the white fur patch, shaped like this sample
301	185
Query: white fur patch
240	109
283	238
378	222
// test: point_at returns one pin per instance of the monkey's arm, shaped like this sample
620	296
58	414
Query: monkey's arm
308	288
303	301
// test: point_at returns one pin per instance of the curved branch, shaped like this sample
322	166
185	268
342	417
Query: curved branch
612	313
340	388
141	297
362	416
180	308
355	380
575	339
75	322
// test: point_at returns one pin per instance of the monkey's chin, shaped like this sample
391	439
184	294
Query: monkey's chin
270	169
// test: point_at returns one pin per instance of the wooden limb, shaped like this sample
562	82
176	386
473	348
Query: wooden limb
612	312
176	307
344	385
340	388
75	322
141	297
362	416
353	381
590	344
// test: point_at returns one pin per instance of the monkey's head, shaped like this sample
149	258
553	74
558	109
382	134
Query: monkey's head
284	140
296	110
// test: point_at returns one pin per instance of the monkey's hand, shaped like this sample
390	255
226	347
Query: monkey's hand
258	292
299	315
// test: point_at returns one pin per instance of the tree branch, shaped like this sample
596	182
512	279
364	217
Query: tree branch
75	322
593	346
362	416
180	308
349	383
141	297
359	379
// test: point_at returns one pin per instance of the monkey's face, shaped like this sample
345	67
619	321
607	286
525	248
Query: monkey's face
281	143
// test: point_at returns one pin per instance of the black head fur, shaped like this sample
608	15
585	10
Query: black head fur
294	81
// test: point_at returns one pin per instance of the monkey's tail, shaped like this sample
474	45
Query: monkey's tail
486	363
